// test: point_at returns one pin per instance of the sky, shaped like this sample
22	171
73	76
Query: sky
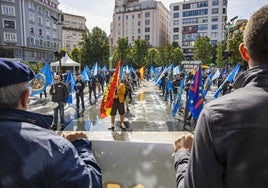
100	13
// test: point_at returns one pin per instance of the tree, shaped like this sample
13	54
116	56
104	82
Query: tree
140	51
95	47
121	51
220	61
76	54
177	56
203	50
234	43
152	57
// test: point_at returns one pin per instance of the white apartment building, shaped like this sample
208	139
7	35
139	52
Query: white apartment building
73	28
193	18
140	19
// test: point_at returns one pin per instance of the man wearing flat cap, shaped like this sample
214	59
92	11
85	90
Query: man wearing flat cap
31	154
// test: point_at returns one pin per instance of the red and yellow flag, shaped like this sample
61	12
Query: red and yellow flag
107	101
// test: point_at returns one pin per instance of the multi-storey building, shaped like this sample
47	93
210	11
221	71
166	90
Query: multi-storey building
73	28
28	31
194	18
140	19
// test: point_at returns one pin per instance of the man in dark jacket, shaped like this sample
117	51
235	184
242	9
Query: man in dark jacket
33	156
230	142
59	94
79	92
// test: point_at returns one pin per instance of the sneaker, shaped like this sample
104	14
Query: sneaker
123	126
111	128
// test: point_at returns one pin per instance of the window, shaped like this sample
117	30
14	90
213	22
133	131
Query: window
126	17
30	5
175	37
10	1
133	17
41	42
176	8
139	30
176	15
147	22
40	32
48	33
40	10
48	44
214	26
186	6
9	24
215	11
147	29
147	14
8	10
32	29
176	30
215	3
47	22
119	18
10	37
47	13
147	37
31	16
214	35
176	22
40	20
214	19
32	41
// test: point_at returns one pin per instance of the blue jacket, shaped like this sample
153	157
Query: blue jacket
230	147
32	156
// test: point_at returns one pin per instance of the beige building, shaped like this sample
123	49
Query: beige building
140	19
73	28
193	18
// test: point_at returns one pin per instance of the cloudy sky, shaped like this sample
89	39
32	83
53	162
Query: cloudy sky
99	13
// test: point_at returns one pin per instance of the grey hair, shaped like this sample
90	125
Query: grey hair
10	96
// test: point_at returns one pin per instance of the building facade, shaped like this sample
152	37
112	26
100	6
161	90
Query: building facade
194	18
28	31
73	29
136	19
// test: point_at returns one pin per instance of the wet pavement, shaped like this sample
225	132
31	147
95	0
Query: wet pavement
148	113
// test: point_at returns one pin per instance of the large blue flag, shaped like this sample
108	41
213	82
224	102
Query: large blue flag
41	80
230	78
70	82
85	75
195	96
95	69
177	101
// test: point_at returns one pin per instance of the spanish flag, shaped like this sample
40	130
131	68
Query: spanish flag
107	101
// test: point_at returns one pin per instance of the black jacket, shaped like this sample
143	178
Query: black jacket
61	93
231	138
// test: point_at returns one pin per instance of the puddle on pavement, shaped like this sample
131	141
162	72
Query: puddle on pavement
141	97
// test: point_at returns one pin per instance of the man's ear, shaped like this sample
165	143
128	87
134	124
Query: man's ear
25	99
244	52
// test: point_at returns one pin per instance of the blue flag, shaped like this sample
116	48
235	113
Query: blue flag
195	97
85	75
177	103
41	80
95	69
70	82
230	78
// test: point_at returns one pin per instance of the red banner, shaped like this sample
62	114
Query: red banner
107	101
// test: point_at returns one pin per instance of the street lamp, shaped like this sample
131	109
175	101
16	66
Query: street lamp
228	53
59	22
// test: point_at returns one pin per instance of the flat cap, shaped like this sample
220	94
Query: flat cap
13	72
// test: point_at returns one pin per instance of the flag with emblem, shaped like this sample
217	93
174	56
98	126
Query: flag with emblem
195	96
41	80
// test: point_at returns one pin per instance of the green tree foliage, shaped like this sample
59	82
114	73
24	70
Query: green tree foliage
95	48
121	51
140	51
220	61
234	43
203	50
177	56
152	57
76	55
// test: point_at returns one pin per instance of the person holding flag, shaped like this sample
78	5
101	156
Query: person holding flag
229	148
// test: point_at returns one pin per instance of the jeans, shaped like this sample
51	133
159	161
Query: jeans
60	109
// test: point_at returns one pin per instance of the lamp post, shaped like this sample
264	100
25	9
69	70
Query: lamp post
228	53
59	22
